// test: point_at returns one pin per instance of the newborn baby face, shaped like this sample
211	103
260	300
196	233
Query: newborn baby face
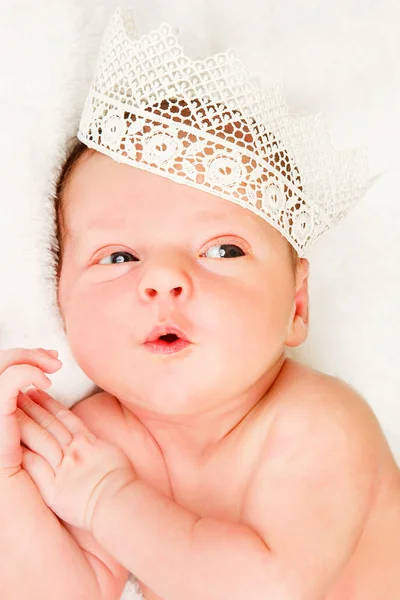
173	299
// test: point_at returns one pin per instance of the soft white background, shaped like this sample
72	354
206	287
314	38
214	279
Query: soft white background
335	56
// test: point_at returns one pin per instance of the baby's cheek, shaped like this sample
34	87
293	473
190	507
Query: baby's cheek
263	324
86	331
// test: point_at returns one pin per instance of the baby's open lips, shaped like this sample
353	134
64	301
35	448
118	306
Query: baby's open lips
168	333
170	337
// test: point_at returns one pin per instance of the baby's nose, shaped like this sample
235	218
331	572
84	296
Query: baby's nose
150	292
163	281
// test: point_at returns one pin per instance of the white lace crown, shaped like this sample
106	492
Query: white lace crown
207	124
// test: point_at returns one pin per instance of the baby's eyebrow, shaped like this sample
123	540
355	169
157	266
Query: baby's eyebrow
85	236
208	215
234	223
97	225
221	219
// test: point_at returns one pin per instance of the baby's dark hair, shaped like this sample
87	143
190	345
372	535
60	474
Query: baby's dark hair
78	150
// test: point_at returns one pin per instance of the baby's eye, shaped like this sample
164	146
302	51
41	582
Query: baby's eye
224	251
116	258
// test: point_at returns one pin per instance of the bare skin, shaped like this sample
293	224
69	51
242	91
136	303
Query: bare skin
223	486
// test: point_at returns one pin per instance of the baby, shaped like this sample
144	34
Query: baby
211	465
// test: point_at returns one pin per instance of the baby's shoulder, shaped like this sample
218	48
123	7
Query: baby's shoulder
315	414
105	416
324	462
309	401
98	409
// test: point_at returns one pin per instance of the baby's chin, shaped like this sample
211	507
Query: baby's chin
168	400
175	395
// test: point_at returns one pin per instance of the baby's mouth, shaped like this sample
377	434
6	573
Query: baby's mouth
166	340
169	338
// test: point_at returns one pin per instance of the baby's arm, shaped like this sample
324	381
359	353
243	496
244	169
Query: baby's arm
311	497
316	484
41	559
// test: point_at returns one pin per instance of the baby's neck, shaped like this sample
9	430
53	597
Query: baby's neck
192	439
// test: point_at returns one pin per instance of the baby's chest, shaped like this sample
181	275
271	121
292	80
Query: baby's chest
216	490
219	492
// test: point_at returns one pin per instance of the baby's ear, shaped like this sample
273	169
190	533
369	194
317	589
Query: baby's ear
298	326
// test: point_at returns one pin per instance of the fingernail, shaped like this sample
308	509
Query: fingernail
52	352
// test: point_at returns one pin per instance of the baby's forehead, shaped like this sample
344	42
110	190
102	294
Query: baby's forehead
106	194
100	183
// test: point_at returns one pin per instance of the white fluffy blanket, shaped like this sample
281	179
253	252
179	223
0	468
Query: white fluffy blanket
339	57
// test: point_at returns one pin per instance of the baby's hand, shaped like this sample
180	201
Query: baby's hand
19	368
85	467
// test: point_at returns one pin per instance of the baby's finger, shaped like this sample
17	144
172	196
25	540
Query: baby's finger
39	440
71	421
44	419
10	450
19	368
39	471
14	379
37	357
